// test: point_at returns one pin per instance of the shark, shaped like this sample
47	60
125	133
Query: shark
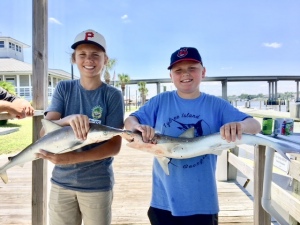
164	147
57	140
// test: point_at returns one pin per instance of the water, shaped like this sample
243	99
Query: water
259	105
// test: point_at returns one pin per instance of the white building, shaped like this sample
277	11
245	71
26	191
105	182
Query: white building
13	69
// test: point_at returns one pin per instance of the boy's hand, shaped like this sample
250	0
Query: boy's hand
231	131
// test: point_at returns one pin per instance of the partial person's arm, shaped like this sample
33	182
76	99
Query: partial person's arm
18	107
5	95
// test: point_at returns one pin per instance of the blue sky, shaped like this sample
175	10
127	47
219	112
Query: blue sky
234	37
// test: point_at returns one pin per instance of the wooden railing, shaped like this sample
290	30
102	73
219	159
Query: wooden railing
289	202
7	116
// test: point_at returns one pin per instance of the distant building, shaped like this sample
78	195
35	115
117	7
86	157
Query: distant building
13	69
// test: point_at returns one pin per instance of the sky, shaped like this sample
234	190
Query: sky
234	37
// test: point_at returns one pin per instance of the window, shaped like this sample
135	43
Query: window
11	80
20	50
1	44
12	46
17	48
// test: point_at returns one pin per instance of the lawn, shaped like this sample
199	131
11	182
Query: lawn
16	141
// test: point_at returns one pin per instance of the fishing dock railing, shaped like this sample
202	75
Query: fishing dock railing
269	198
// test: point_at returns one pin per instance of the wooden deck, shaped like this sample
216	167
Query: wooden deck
131	193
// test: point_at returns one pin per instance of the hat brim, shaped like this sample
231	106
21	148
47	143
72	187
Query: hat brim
186	59
87	42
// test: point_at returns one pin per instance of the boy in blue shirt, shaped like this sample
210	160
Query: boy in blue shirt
189	194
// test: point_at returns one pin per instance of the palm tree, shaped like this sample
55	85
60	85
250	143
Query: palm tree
123	80
9	87
143	91
110	64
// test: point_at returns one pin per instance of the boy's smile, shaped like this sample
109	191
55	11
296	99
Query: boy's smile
187	76
90	59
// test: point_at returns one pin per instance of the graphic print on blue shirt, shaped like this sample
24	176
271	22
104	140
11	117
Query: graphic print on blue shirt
197	133
97	113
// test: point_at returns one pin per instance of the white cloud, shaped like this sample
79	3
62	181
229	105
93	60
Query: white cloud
125	19
272	45
227	68
53	20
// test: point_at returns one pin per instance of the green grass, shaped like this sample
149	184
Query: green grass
16	141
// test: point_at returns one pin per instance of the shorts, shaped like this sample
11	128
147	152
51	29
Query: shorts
68	207
163	217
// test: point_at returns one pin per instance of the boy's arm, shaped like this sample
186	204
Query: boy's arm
231	131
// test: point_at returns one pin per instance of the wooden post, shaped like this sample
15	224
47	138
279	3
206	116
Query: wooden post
224	89
261	217
222	162
40	98
296	192
232	170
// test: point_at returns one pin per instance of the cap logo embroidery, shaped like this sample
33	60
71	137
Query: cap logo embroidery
182	53
88	35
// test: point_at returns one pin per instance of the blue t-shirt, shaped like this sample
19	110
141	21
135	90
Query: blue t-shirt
104	104
191	186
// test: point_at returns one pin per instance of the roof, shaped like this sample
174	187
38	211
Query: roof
12	39
14	65
11	65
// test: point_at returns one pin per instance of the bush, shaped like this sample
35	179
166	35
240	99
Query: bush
3	122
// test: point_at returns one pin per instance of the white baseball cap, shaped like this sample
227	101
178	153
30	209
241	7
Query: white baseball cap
90	37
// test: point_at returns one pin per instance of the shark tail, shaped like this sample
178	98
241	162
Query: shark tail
282	148
4	177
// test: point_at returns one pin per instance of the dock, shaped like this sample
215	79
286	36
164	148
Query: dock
132	193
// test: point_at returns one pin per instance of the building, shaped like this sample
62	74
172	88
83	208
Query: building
13	69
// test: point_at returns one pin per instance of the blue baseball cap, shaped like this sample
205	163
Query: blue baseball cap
185	53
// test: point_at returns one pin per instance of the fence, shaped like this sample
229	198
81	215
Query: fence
268	195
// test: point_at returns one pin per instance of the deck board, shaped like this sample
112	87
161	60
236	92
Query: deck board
131	193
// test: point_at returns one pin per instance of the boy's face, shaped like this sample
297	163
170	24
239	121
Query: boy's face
187	76
90	59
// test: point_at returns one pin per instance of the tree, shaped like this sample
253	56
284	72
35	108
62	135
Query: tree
287	95
123	80
8	87
143	91
110	64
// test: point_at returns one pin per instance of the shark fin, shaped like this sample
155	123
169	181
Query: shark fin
4	177
50	126
189	133
164	163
